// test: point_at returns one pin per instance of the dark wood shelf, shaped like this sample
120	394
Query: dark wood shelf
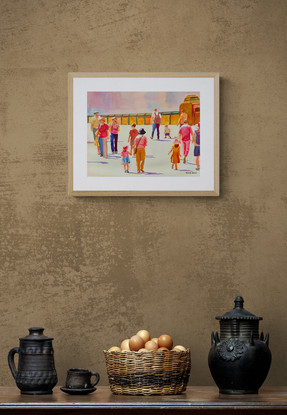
196	400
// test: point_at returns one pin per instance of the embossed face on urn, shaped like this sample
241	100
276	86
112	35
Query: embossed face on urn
231	349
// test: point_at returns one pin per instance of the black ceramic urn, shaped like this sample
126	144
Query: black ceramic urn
36	374
239	361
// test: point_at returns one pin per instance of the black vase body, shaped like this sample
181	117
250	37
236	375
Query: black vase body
36	374
239	361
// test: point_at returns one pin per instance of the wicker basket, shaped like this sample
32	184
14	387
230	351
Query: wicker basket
148	373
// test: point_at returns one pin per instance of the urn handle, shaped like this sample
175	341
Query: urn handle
11	361
97	376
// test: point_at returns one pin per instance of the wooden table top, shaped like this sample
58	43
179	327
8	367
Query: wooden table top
194	399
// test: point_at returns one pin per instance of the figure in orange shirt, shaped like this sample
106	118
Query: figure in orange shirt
175	154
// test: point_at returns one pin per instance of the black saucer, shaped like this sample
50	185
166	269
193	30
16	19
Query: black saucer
77	391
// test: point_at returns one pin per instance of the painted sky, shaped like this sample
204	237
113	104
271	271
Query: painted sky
135	102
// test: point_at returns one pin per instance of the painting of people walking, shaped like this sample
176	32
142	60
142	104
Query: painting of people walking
143	133
133	134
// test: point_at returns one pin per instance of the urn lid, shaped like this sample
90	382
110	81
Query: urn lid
238	313
36	334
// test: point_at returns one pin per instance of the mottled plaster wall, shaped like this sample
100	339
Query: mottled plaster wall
92	271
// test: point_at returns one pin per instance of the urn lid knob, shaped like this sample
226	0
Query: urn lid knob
36	334
238	302
238	312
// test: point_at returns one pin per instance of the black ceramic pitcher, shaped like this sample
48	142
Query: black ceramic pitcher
36	374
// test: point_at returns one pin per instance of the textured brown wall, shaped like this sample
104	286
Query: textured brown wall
93	271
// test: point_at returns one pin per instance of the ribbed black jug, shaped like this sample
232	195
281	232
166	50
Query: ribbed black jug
36	374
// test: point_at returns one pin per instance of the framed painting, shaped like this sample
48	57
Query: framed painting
143	134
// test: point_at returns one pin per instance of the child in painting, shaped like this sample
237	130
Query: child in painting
196	141
166	131
175	154
125	158
132	136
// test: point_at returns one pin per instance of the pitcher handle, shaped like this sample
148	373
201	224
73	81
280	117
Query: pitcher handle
11	361
97	378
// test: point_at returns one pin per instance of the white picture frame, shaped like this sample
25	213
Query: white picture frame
81	184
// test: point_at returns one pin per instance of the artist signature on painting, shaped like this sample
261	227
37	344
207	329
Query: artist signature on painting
190	172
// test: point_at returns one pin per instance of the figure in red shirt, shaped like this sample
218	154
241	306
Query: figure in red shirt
132	136
102	134
185	134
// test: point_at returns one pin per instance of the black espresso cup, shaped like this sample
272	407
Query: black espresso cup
81	379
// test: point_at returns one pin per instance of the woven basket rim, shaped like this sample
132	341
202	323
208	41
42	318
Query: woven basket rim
149	351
